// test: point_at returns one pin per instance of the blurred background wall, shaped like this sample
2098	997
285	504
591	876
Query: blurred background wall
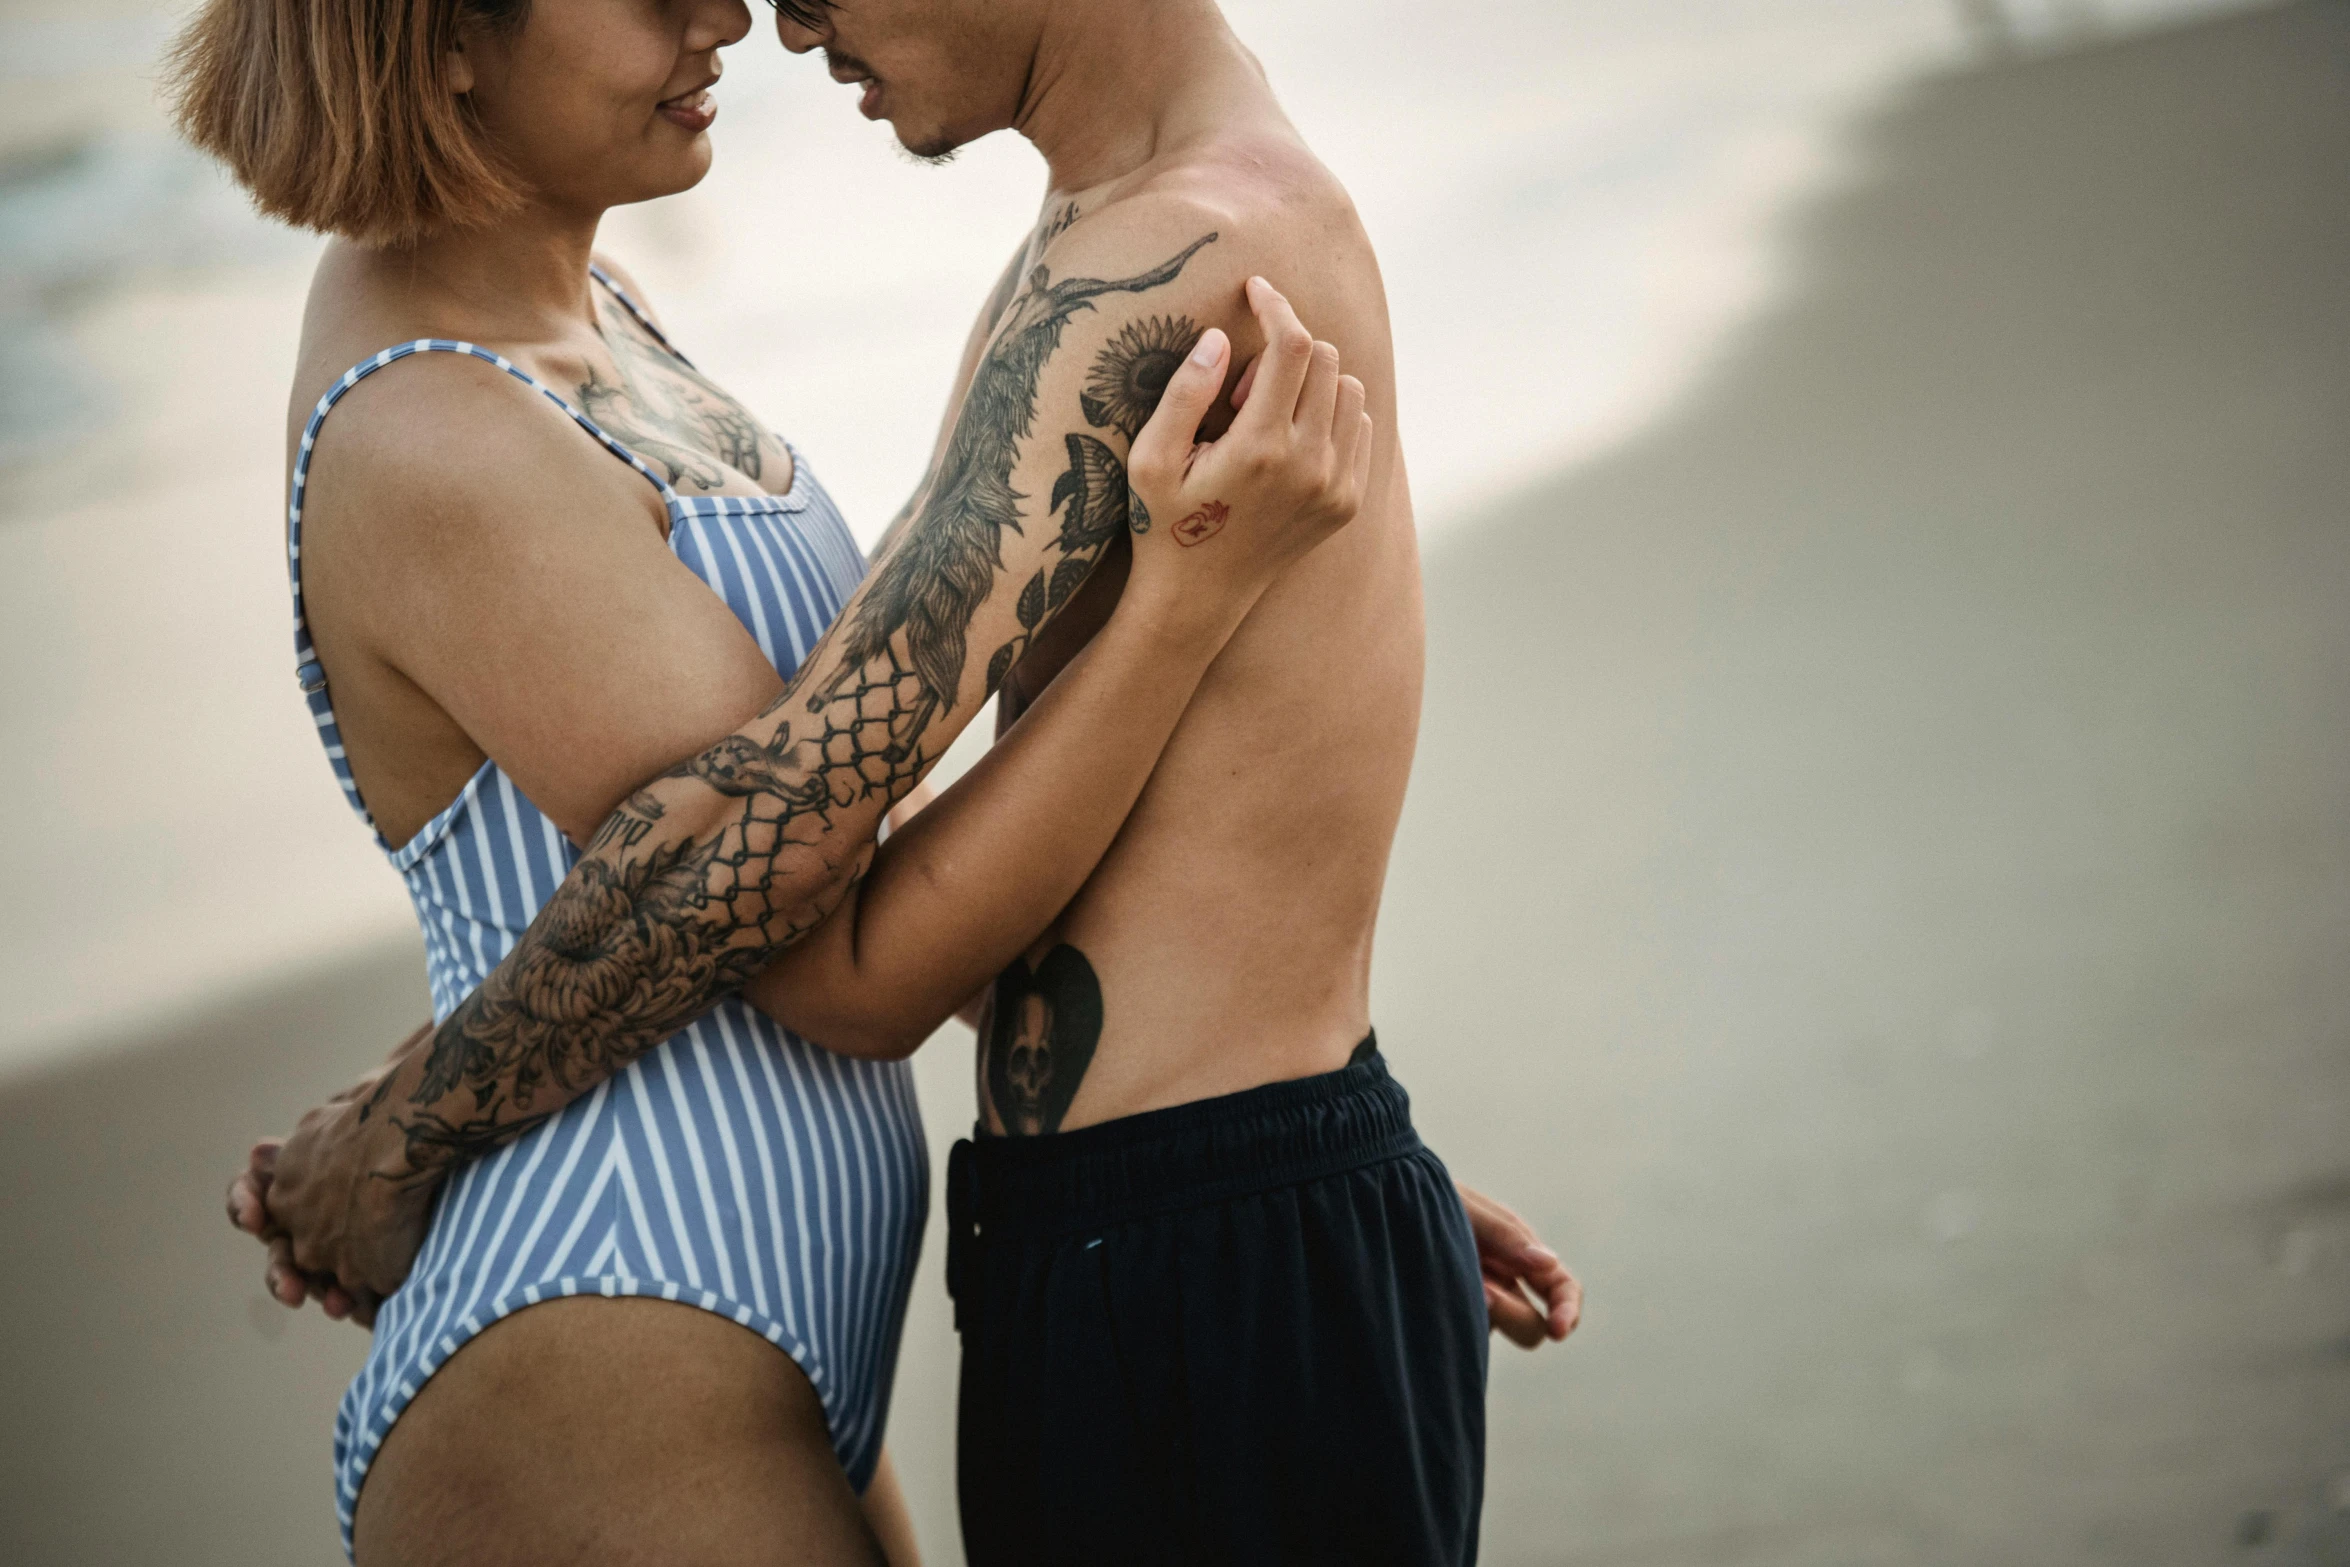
1877	885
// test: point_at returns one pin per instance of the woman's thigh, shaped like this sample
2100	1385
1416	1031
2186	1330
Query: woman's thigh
612	1433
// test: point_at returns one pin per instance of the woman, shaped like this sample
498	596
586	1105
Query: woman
535	557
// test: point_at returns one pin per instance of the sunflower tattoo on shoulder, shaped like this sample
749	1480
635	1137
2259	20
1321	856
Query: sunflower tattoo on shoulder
1131	374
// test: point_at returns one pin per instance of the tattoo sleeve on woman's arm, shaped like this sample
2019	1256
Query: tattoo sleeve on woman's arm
658	921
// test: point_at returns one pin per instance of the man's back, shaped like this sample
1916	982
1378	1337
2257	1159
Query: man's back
1228	934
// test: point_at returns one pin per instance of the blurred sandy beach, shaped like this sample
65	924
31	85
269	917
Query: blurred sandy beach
1876	888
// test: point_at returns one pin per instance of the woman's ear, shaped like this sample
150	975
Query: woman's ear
460	70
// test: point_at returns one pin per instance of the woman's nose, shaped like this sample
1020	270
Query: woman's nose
721	24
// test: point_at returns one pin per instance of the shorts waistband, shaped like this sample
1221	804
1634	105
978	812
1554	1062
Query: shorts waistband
1208	1151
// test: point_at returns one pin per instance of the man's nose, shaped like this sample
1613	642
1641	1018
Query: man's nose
794	34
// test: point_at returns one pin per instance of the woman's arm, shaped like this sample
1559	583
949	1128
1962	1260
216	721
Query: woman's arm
964	887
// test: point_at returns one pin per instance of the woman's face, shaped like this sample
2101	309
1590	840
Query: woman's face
597	103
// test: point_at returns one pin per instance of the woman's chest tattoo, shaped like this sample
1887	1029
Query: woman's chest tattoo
670	416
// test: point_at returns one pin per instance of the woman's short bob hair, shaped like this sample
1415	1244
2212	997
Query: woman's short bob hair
337	115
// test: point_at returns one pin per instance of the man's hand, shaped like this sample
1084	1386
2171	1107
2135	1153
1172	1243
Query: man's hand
336	1229
289	1286
1517	1266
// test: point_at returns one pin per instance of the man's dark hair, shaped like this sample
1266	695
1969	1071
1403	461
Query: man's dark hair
808	13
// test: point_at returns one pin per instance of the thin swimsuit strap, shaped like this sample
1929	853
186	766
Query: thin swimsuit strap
311	676
793	499
309	673
596	271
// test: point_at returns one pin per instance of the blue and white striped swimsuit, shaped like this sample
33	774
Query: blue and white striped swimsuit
736	1167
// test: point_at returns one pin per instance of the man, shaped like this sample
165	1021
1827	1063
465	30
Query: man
1185	1335
1218	1303
1195	1393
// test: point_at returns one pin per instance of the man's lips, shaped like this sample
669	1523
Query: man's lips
855	73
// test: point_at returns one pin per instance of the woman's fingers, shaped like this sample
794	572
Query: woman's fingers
1317	400
1163	445
1282	368
1350	434
1248	382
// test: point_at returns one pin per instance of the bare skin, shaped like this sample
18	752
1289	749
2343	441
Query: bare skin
1230	926
722	1457
459	533
1272	811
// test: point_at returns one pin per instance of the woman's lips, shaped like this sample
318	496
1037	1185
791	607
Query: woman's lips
694	110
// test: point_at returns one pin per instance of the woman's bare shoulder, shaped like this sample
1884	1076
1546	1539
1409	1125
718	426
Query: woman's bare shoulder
442	459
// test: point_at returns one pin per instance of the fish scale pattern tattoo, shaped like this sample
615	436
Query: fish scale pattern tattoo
653	926
928	589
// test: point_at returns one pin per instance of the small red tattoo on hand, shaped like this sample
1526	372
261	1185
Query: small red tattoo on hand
1202	525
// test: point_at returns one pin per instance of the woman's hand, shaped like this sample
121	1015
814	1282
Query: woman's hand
1214	522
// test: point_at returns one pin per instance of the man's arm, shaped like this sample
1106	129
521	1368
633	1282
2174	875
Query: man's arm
974	346
991	315
704	875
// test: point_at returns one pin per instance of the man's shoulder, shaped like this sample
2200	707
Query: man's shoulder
1267	202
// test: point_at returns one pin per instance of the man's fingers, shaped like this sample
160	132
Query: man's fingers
283	1280
306	1256
1558	1289
1288	356
1513	1316
1566	1308
247	1208
1160	445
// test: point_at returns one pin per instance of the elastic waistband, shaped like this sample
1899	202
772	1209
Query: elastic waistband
1204	1152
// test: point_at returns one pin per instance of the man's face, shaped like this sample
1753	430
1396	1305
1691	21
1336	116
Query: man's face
942	72
1030	1064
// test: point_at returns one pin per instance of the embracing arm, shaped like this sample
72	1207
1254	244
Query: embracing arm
703	876
957	893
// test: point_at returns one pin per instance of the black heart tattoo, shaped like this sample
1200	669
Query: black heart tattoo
1041	1035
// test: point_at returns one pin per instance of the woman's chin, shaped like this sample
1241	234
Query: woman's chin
679	169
